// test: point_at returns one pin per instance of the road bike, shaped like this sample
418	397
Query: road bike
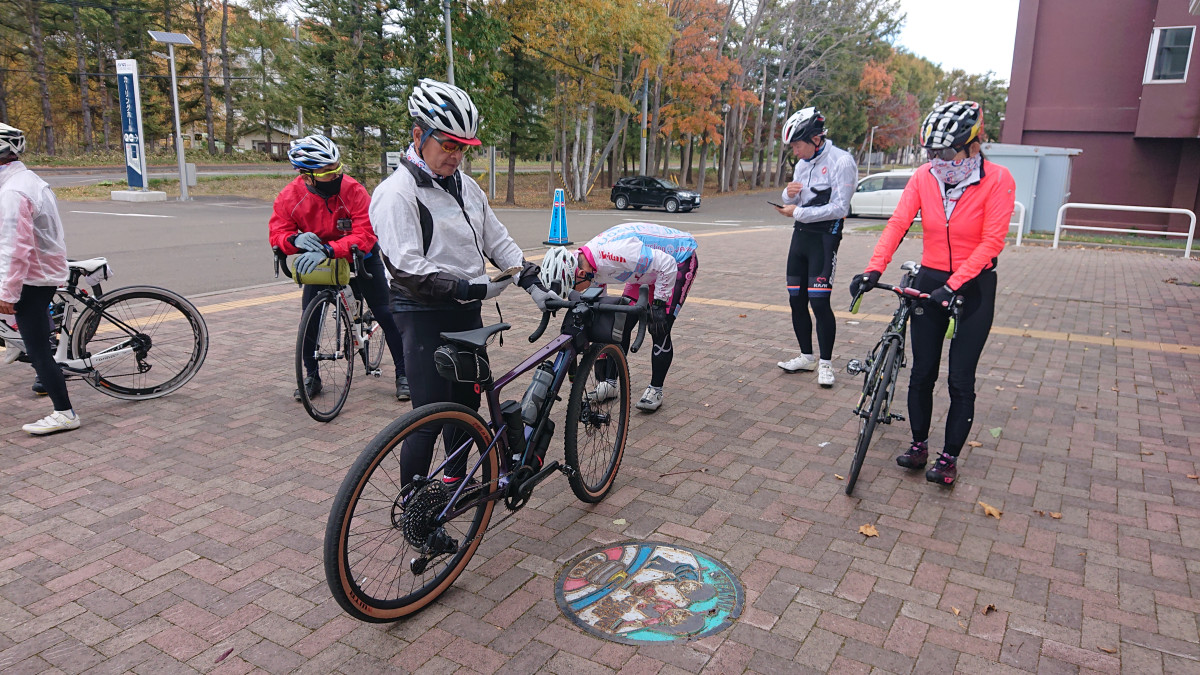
136	342
392	548
335	327
882	366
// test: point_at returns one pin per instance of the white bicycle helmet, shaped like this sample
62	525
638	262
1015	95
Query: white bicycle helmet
803	125
12	140
559	265
446	108
313	152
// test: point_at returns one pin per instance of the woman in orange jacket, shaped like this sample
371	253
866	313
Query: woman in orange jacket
965	203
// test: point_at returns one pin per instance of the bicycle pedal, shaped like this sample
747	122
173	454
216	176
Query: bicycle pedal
898	417
376	373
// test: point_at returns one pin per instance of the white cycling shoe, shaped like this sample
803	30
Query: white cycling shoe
605	391
825	375
59	420
799	363
651	399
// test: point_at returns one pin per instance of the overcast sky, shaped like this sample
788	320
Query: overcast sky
972	35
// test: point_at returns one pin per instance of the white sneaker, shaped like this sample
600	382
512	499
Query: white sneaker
11	354
799	363
825	375
651	399
605	391
54	422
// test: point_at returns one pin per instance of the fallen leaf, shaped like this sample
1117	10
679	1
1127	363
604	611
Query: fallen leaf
1014	407
705	405
1146	453
620	521
1108	650
990	510
821	445
223	656
974	444
1056	515
989	609
1115	389
741	316
1039	512
956	612
1193	476
999	388
995	431
839	476
868	530
1020	386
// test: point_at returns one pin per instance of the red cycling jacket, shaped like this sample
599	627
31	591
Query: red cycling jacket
975	235
298	210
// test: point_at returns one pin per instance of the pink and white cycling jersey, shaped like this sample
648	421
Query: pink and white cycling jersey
638	254
33	250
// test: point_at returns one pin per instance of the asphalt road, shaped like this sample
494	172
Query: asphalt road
220	243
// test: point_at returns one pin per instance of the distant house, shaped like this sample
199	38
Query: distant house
1114	78
255	139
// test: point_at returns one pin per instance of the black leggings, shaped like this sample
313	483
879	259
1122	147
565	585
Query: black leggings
421	329
378	296
928	334
33	322
811	264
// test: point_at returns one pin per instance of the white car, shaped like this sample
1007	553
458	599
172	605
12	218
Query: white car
878	194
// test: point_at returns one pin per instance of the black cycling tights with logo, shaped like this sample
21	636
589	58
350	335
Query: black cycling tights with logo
811	264
928	335
33	322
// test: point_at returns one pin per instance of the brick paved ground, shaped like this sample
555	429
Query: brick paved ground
184	534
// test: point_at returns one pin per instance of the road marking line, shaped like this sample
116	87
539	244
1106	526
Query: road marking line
130	215
1079	338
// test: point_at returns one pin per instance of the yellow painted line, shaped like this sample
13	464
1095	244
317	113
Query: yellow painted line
249	302
1079	338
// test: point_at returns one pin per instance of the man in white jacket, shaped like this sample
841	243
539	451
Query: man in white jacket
33	263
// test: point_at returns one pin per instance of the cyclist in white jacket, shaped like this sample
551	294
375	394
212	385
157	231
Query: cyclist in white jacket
33	263
635	254
818	200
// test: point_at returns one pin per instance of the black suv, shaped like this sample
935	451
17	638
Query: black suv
639	191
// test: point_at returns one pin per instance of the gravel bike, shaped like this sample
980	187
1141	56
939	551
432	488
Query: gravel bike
392	548
336	326
136	342
882	366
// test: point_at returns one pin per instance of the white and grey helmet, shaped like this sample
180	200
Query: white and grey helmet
12	140
445	108
803	125
313	152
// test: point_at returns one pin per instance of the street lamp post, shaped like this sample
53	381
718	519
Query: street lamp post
871	149
172	39
449	43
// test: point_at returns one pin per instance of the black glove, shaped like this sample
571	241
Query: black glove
467	291
943	297
658	317
861	283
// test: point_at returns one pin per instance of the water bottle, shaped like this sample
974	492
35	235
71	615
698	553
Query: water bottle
531	403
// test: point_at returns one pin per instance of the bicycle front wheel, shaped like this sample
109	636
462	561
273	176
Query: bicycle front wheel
144	342
881	391
388	550
326	342
375	341
597	422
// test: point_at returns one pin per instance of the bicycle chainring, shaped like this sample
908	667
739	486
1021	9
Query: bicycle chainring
513	499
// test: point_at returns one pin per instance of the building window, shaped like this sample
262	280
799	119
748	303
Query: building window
1170	52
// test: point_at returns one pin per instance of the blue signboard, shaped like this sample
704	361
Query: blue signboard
131	123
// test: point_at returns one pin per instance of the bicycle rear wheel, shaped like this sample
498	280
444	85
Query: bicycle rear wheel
166	337
326	336
881	392
387	553
374	342
596	429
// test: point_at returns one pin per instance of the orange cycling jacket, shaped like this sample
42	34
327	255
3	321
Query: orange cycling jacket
972	239
298	210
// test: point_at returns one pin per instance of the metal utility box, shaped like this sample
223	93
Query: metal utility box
1043	177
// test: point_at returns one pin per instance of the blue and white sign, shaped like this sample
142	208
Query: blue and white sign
131	123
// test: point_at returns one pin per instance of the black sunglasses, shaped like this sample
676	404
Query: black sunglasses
944	154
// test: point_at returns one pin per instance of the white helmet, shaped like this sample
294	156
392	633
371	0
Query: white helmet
559	265
445	108
313	152
12	140
803	125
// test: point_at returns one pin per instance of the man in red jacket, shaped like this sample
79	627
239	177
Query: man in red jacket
322	214
965	203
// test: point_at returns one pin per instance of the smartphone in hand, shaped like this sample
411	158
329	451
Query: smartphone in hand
506	274
778	206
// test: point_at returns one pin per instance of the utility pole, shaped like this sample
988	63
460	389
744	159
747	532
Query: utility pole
871	150
645	114
449	43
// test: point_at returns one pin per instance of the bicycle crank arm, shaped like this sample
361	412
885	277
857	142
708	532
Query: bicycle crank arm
526	487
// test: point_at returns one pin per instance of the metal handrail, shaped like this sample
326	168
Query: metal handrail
1187	251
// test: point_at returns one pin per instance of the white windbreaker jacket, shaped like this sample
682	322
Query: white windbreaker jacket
33	248
829	180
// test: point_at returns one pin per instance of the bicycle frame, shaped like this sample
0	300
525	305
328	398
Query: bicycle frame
77	366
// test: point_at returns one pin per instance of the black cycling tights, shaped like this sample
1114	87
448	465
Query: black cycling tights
33	322
811	263
420	330
928	334
661	355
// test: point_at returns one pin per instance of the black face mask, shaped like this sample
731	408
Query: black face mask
326	189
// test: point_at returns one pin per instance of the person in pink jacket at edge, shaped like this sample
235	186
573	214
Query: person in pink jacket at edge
33	264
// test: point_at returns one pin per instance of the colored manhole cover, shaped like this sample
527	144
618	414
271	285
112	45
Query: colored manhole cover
639	592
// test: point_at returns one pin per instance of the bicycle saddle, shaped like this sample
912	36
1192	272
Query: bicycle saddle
88	266
475	339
